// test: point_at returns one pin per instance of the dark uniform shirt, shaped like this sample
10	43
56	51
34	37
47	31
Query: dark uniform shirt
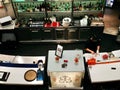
92	44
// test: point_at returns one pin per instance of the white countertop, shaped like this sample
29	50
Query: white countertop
28	59
69	55
7	58
104	70
18	66
16	76
21	59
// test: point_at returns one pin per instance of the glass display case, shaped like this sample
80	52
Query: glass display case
39	9
60	5
29	9
60	8
89	7
40	12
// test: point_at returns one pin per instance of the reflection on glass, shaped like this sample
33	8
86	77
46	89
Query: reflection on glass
80	5
60	5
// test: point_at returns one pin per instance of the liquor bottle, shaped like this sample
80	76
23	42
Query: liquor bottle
80	7
40	75
43	6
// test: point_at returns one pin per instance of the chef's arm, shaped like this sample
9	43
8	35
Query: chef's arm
98	49
89	50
